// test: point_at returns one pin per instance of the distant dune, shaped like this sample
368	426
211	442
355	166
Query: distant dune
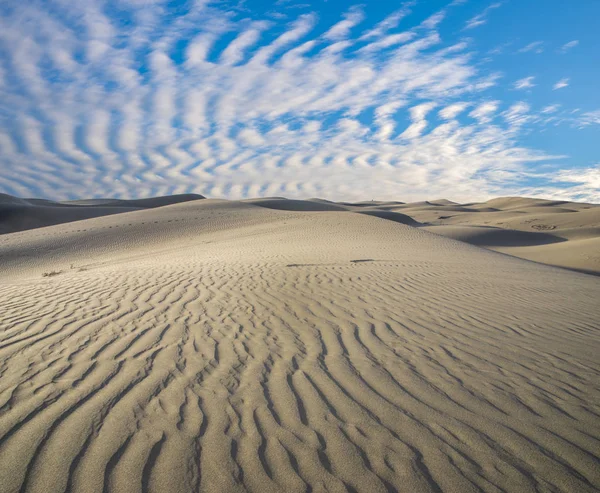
22	214
179	345
527	228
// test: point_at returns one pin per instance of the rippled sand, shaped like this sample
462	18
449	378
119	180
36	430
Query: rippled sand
226	346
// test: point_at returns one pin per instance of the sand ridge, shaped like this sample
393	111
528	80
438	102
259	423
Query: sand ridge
22	214
212	345
522	227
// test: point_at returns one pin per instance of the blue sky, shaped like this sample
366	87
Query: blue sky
459	99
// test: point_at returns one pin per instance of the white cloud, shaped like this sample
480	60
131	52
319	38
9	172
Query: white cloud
419	124
250	137
164	104
587	176
483	112
589	118
383	120
581	184
517	115
199	48
298	29
453	110
433	21
342	28
551	108
234	53
568	46
525	83
390	22
535	46
387	41
481	18
560	84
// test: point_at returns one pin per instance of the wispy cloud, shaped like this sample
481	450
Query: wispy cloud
535	47
482	18
560	84
517	115
570	184
568	46
390	22
453	110
525	83
418	125
590	118
551	108
342	28
484	112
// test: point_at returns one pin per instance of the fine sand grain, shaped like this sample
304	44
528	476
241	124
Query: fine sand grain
265	346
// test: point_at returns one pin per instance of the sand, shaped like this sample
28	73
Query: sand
21	214
564	234
215	345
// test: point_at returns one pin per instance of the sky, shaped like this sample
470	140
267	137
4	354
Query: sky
465	99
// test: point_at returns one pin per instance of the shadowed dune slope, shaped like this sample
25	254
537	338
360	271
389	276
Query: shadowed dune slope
540	230
391	216
295	205
22	214
495	237
224	346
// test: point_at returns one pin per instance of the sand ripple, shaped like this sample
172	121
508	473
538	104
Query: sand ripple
316	375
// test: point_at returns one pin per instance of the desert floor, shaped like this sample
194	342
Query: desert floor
281	345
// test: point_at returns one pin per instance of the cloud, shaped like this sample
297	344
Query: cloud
551	108
390	22
434	20
568	46
297	30
581	184
250	137
483	112
589	177
453	110
388	41
517	115
481	18
417	116
342	28
525	83
560	84
383	114
535	47
590	118
234	53
211	102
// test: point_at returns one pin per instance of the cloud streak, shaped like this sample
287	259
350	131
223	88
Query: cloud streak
568	46
525	83
482	18
535	47
560	84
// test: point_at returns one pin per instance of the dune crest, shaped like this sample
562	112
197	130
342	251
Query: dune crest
523	227
22	214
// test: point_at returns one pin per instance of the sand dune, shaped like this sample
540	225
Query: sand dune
540	230
522	227
228	346
295	205
21	214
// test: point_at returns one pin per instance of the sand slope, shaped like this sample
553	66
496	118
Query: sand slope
227	346
522	227
564	234
22	214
